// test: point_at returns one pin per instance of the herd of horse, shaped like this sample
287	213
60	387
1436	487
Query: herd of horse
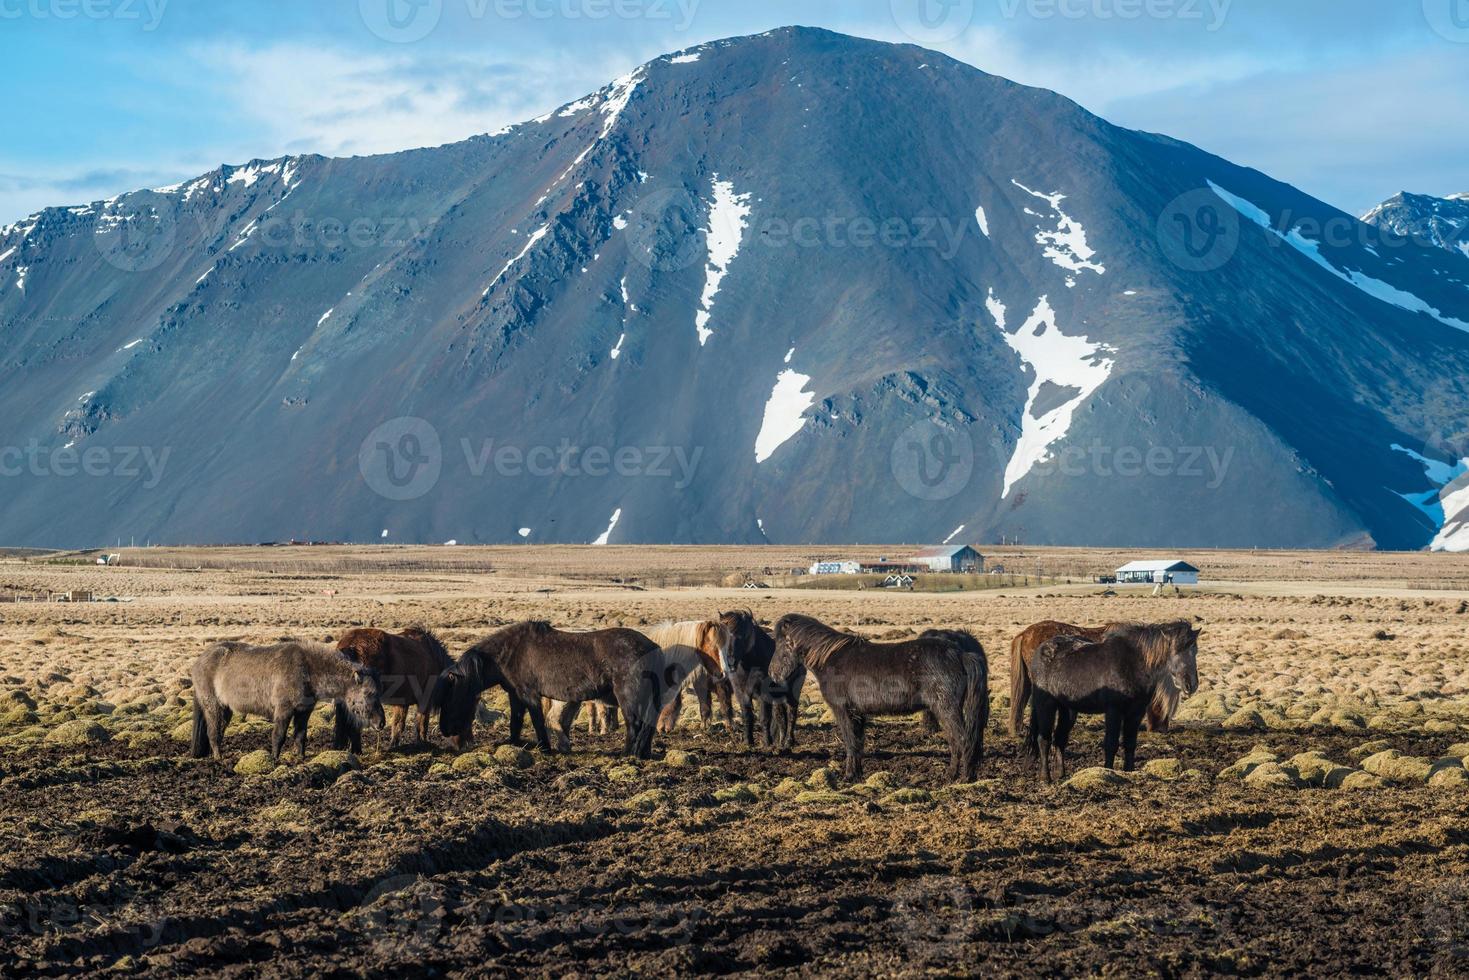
1127	672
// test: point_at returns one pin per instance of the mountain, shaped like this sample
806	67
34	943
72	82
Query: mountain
798	287
1441	222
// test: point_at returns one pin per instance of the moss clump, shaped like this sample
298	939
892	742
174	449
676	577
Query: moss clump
1343	718
16	698
1398	768
1095	778
256	763
824	778
1257	757
289	815
680	758
909	795
1168	769
623	774
332	764
651	800
1369	748
1440	726
1458	750
438	770
1272	775
142	739
514	756
816	797
1312	767
789	787
79	732
1450	778
1245	720
1362	780
881	781
18	718
739	793
471	762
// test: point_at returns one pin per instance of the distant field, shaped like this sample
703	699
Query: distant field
1234	849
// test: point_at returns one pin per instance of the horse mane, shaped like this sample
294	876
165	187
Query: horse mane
430	642
816	642
325	660
364	645
686	633
1155	641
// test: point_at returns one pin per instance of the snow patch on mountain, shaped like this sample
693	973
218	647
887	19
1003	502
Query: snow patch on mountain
983	219
535	236
1073	364
1066	246
784	412
1432	503
957	531
1376	288
607	534
8	252
729	215
20	277
1454	534
684	59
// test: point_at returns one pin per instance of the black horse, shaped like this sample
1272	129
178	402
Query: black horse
750	678
1116	676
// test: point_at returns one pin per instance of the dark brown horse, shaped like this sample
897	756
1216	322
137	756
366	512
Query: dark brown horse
861	679
531	661
751	680
409	665
1116	676
1160	710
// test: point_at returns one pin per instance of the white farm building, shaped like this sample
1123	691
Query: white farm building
836	568
1158	572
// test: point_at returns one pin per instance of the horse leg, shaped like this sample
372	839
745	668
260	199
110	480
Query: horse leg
1113	736
538	721
282	719
609	719
216	717
1130	725
517	719
396	726
848	734
566	722
704	691
950	723
668	717
1065	721
1042	727
302	720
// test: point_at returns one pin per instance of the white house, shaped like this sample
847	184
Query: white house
950	558
1158	571
836	568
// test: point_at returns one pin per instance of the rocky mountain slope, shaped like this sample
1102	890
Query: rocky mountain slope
797	287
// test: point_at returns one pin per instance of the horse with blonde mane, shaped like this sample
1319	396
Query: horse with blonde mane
1116	676
686	649
1160	710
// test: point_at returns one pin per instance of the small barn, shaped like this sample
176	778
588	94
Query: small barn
949	558
1158	571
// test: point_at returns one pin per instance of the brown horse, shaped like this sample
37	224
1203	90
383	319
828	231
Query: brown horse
689	648
861	679
409	665
533	660
283	683
1160	710
1116	676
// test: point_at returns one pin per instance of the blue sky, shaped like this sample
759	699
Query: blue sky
1352	100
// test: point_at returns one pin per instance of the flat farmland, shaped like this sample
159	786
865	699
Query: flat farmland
1307	811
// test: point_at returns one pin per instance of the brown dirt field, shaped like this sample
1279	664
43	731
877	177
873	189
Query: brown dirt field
117	853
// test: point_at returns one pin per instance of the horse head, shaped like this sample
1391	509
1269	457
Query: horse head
364	697
716	648
1183	661
456	695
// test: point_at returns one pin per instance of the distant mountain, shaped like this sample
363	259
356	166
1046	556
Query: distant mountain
1437	221
797	287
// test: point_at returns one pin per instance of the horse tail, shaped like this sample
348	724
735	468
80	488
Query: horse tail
1019	684
199	741
976	711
